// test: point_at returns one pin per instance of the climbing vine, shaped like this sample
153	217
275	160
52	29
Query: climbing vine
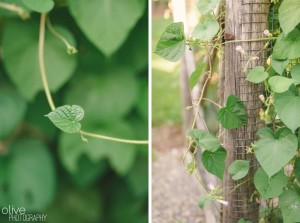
277	149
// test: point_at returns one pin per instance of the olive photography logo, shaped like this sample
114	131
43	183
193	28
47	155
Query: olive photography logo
18	214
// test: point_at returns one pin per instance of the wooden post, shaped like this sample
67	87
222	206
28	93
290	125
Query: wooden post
245	20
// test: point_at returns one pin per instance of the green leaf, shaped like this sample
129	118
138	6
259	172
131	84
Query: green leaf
297	169
214	162
270	187
289	203
287	47
67	118
204	201
195	76
12	110
289	16
24	52
121	156
275	149
280	84
28	174
39	5
207	6
207	30
234	115
239	169
116	90
287	105
257	75
171	44
295	73
279	65
204	139
119	16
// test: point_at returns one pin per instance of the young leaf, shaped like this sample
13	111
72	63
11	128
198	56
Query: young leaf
280	84
270	187
289	203
39	5
204	201
207	6
120	17
234	115
239	169
295	73
207	30
171	44
257	75
297	169
204	139
289	16
243	221
214	162
279	65
287	105
275	149
195	76
67	118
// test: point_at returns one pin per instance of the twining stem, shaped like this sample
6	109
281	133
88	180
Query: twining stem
14	8
48	93
211	101
248	40
42	63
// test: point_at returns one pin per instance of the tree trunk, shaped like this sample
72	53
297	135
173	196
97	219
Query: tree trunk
245	20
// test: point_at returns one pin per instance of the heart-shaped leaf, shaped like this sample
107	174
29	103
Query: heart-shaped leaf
289	16
287	106
239	169
280	84
107	23
279	65
204	139
207	30
270	187
257	75
289	203
214	162
274	150
39	5
171	44
234	115
26	76
287	47
207	6
67	118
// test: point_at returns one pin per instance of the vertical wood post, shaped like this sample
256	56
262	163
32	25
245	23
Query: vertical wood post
245	20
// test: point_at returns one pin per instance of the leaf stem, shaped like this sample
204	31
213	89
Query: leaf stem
211	101
41	61
48	93
113	138
248	40
14	8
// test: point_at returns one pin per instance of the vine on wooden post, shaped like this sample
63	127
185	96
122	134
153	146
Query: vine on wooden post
277	149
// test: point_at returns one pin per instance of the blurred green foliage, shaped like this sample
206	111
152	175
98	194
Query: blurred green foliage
47	171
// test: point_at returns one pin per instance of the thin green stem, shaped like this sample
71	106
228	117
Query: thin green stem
211	101
249	40
42	63
48	93
16	9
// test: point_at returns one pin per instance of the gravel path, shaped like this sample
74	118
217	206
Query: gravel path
175	193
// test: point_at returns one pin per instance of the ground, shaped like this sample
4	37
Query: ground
175	193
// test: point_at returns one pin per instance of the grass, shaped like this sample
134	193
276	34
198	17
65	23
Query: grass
166	96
